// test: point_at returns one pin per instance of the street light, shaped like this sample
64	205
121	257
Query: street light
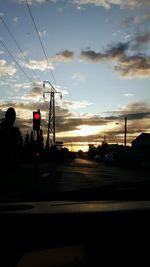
125	131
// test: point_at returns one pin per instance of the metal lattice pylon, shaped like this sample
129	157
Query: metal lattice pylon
50	141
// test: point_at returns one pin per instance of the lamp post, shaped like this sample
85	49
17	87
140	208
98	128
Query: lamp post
125	131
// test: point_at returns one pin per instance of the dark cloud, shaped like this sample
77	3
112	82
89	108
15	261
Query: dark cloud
117	51
143	38
136	19
25	106
130	116
133	111
138	116
101	3
112	53
141	41
134	66
36	91
71	123
137	107
65	55
43	106
126	21
92	56
127	65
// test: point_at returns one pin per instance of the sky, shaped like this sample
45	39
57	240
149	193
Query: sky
96	52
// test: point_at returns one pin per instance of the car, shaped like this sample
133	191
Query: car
98	158
109	158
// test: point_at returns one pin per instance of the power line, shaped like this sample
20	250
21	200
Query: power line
15	61
17	44
33	20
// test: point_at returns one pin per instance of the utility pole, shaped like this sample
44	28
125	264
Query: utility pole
125	131
50	141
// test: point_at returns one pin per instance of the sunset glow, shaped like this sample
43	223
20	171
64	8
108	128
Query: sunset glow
86	130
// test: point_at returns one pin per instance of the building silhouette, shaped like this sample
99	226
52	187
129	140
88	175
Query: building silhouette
142	141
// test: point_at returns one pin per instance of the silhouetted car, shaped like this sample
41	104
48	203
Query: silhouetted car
98	158
109	158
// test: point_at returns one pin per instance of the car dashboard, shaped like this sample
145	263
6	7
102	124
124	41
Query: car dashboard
75	233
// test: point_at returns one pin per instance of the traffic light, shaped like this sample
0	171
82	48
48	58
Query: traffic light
36	120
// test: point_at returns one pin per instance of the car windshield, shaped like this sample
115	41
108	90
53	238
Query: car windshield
74	99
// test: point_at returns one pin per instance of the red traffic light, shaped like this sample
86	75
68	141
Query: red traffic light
36	120
37	116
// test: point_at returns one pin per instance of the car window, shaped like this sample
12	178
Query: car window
74	97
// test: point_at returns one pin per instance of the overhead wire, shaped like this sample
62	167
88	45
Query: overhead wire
18	46
34	23
8	51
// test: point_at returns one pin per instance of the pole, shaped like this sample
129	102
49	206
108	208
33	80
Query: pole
51	133
47	140
125	132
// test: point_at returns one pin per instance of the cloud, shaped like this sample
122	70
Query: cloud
65	55
126	65
22	85
65	120
43	33
127	37
24	113
141	40
91	55
134	66
109	3
79	77
68	125
137	108
30	2
41	65
112	53
15	19
116	33
133	111
138	115
128	94
141	18
76	104
35	94
6	69
136	19
101	3
23	54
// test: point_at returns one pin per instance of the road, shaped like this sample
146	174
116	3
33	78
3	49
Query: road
45	179
84	173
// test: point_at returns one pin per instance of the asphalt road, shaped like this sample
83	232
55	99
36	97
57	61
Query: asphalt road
46	179
84	173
